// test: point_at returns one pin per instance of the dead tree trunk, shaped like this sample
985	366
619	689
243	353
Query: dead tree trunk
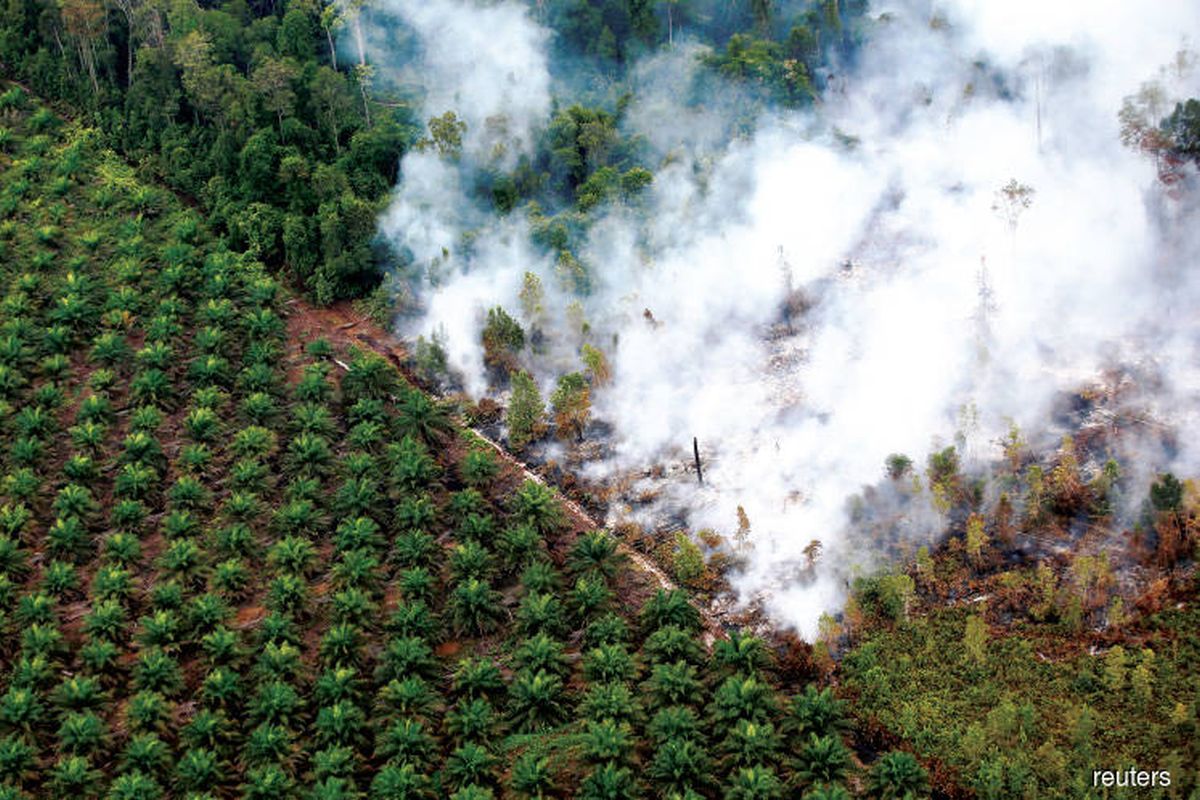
696	455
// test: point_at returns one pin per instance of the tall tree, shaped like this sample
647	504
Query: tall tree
572	405
364	74
84	21
273	81
332	21
525	411
328	92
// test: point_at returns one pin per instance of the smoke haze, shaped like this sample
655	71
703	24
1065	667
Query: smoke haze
930	313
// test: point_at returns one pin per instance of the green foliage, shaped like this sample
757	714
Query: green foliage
975	639
595	555
540	576
1166	494
754	783
1014	722
369	376
1182	126
445	135
672	643
532	776
540	613
741	653
817	711
742	698
474	607
606	184
672	684
536	505
687	562
541	653
822	760
887	595
477	678
765	65
422	417
262	140
503	338
571	403
525	411
898	775
472	720
535	700
670	608
610	782
429	356
400	780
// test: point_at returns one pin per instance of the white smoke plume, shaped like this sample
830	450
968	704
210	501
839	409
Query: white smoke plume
487	64
881	207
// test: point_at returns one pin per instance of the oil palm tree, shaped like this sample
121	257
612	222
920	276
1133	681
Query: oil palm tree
422	417
609	662
540	612
475	607
816	711
609	782
740	653
607	740
276	702
670	608
470	561
335	762
412	467
520	546
540	576
405	740
478	467
401	781
152	386
73	776
267	782
314	419
532	777
477	678
308	455
679	766
536	505
410	698
898	776
340	724
471	720
754	783
369	376
610	701
672	684
470	764
822	760
134	786
672	723
540	652
741	698
535	700
199	769
595	554
750	743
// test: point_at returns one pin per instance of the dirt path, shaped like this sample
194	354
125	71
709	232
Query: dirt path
343	326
